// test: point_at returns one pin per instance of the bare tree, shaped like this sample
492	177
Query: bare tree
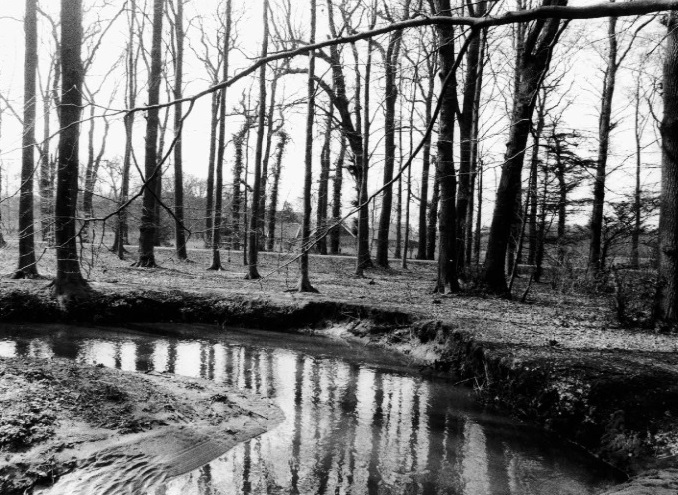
69	283
304	281
148	227
256	222
27	262
533	63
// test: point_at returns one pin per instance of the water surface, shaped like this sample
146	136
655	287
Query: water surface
357	421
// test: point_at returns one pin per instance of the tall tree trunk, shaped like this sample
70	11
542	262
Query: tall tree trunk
337	183
283	139
534	168
267	155
475	130
147	229
69	283
432	229
604	128
218	192
466	138
391	98
256	221
46	189
131	88
239	140
562	198
209	200
541	230
447	245
423	250
638	134
304	282
91	174
323	186
531	68
27	263
478	233
667	296
179	235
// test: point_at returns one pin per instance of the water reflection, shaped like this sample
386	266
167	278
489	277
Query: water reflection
349	428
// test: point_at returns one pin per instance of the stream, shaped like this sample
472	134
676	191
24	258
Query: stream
357	420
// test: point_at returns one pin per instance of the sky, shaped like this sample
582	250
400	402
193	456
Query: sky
580	58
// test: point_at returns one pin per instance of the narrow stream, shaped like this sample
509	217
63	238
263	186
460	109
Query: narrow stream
358	421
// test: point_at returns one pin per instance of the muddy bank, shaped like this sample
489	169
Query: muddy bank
97	430
621	405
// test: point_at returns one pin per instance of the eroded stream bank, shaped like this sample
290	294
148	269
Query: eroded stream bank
357	419
620	405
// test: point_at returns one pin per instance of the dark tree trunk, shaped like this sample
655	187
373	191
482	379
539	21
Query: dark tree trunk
91	174
304	281
69	283
534	168
239	140
422	250
179	235
562	198
323	186
466	139
263	242
391	98
479	215
148	227
667	298
27	263
532	65
256	221
121	230
219	186
283	139
475	129
447	245
432	229
209	200
638	134
337	183
604	128
541	230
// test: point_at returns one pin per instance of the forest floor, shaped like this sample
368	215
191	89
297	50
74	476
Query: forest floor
560	359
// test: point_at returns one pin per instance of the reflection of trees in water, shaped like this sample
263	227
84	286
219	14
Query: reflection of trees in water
347	428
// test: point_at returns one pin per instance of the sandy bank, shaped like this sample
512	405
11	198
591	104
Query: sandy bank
97	430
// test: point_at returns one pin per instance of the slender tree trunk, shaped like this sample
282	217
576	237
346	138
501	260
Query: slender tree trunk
423	251
239	141
209	200
255	215
323	186
466	138
219	193
562	198
532	66
604	128
46	196
179	235
27	263
447	245
534	167
475	130
541	231
432	229
667	297
479	215
91	174
147	229
283	139
69	283
391	98
304	282
638	134
122	228
267	155
337	183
